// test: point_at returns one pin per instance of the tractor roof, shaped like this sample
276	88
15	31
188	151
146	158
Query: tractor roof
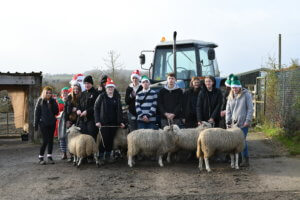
183	42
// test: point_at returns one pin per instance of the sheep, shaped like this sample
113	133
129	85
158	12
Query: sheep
82	145
220	140
188	138
120	140
152	142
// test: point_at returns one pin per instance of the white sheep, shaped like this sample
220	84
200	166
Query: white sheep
220	140
82	145
152	142
187	138
120	140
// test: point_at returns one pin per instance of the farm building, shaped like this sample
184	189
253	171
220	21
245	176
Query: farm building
23	90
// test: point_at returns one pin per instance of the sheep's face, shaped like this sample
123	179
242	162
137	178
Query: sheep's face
174	130
205	125
73	129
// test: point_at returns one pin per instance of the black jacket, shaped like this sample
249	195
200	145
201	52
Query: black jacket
170	101
42	115
86	102
209	104
190	103
100	109
130	101
68	109
225	100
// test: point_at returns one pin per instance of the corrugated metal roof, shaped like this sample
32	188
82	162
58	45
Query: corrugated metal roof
21	73
253	71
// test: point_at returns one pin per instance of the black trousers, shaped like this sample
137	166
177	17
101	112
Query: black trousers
108	135
191	121
47	133
89	128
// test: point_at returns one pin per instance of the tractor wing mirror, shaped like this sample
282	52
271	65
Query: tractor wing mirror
142	59
211	54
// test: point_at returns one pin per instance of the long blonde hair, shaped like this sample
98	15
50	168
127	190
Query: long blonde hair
74	96
44	92
231	94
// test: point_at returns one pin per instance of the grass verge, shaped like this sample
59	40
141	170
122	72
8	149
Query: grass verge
292	143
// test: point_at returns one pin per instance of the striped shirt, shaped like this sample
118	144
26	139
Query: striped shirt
148	106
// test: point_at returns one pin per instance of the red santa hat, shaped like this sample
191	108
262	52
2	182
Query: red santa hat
110	83
136	73
78	79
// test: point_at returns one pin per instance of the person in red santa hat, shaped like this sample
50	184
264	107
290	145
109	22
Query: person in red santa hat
131	91
78	79
108	116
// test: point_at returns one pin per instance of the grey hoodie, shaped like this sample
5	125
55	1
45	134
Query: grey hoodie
239	109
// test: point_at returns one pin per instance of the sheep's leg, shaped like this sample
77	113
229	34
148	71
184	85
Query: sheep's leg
200	163
130	163
160	162
75	160
96	157
232	160
207	165
237	161
79	162
169	157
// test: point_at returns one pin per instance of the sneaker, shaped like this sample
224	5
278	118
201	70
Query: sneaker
41	161
64	156
50	160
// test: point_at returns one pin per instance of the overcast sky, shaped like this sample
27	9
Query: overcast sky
69	36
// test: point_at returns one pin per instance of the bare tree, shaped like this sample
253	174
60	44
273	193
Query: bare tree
112	62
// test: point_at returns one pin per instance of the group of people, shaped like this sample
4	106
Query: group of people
101	109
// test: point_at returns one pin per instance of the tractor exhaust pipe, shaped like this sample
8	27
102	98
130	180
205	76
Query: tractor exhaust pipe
174	53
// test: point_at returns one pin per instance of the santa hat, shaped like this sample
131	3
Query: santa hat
235	82
145	78
136	73
109	83
228	80
78	79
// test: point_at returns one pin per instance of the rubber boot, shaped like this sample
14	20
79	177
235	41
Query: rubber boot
245	162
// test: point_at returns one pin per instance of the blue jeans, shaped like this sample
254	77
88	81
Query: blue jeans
144	125
245	151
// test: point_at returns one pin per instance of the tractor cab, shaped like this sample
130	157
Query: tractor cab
192	58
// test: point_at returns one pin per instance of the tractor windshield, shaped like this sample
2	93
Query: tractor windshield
188	60
186	63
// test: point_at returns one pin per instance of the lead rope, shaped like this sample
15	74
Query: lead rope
101	138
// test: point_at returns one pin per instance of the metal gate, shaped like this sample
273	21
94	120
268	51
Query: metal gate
260	99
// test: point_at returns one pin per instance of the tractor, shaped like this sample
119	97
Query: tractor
185	58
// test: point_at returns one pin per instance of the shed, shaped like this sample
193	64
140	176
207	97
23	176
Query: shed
24	91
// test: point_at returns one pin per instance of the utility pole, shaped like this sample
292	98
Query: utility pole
279	51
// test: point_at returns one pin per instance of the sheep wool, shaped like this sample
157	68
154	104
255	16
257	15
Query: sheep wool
187	138
152	142
220	140
82	145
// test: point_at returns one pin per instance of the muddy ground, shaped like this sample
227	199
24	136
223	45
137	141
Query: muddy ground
272	175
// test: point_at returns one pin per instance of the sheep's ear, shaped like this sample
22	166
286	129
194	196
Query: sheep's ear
68	131
176	127
77	128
